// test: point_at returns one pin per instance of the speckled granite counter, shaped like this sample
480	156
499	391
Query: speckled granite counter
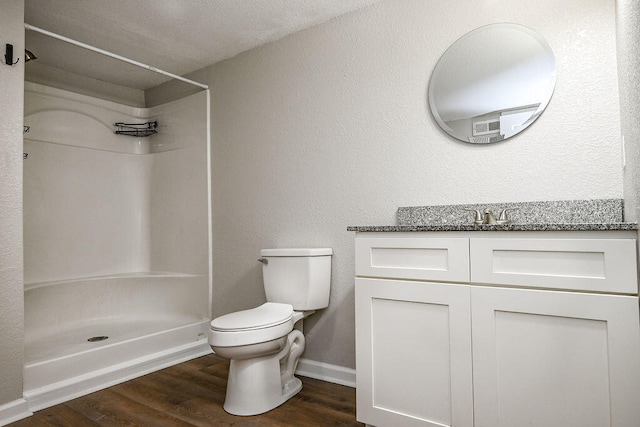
563	215
512	227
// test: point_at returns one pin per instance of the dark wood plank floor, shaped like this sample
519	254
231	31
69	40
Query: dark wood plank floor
192	394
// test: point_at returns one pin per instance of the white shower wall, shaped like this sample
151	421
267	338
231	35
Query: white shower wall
85	189
116	234
101	204
178	194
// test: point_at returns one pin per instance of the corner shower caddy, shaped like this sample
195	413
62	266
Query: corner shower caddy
137	129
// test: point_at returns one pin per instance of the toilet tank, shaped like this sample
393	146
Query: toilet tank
297	276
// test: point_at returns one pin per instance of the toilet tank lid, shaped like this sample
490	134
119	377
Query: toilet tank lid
296	252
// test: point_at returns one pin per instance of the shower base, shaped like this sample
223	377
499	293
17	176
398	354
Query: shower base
65	365
83	335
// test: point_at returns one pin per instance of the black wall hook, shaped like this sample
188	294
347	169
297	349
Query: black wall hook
8	56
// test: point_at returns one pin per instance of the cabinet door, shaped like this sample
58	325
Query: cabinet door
547	358
413	354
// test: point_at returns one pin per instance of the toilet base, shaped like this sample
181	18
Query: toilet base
261	384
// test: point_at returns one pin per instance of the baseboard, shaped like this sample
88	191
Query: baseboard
326	372
63	391
14	411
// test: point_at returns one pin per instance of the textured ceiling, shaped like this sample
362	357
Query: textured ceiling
178	36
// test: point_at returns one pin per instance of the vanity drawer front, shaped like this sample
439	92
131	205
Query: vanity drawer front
436	259
596	265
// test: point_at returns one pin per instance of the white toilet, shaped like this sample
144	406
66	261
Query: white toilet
261	343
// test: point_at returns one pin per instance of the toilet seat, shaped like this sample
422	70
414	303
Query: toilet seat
267	315
267	322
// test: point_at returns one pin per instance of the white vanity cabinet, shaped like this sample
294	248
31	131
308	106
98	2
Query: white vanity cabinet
492	329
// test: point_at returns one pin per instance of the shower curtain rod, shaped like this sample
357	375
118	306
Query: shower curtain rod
112	55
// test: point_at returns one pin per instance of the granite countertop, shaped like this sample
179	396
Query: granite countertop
510	227
563	215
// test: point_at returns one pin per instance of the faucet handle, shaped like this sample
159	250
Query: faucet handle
503	218
477	217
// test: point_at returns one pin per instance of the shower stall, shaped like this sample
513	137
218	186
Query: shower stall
116	240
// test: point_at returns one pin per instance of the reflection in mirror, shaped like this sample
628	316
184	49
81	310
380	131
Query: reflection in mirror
492	83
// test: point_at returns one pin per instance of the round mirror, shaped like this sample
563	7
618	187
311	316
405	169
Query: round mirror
492	83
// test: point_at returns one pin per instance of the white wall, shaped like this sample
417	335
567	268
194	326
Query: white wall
628	31
330	127
11	282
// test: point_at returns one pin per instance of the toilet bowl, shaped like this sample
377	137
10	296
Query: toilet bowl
264	350
261	343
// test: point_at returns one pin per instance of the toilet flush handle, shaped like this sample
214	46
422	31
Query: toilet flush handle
263	260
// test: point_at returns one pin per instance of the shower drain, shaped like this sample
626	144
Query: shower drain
96	339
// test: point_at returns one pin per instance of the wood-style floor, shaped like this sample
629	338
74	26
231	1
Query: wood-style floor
192	394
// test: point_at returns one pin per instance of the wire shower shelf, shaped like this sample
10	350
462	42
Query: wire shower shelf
137	129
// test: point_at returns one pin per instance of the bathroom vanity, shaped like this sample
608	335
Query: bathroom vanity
497	326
